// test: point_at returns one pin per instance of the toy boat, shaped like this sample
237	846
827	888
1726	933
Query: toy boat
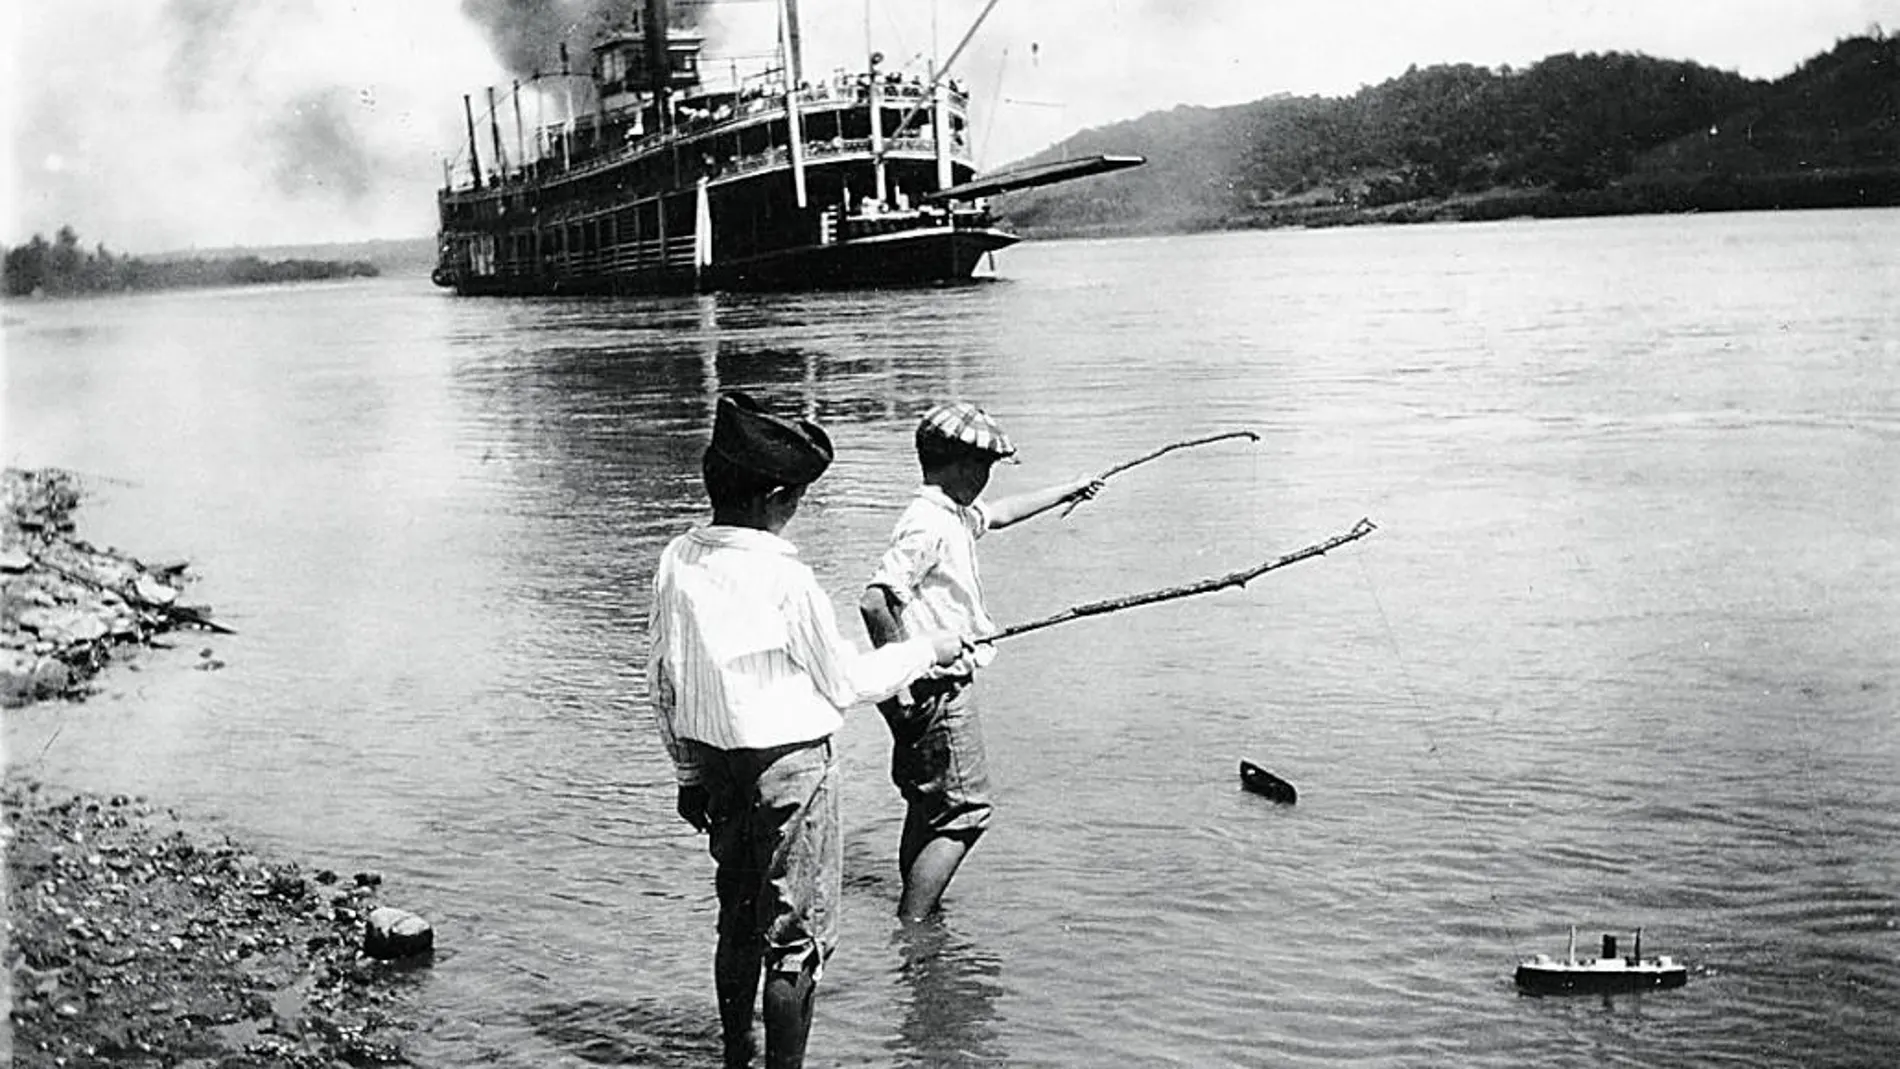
1606	974
1266	784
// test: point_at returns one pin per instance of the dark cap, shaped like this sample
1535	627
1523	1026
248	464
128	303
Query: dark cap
788	453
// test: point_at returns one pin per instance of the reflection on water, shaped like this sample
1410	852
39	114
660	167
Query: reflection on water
1623	651
646	1032
951	987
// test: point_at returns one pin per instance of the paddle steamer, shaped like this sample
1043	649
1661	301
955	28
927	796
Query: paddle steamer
659	181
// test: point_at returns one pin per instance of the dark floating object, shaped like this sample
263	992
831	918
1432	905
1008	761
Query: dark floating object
1609	973
1266	784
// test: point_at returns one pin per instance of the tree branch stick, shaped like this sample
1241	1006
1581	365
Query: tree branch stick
1169	448
1204	586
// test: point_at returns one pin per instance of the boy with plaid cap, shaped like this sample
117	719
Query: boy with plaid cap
747	671
928	580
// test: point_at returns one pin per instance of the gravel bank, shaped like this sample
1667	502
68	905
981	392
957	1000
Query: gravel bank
130	942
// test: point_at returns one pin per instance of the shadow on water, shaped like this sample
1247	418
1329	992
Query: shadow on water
647	1032
952	988
870	869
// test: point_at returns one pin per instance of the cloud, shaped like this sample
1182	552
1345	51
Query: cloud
317	150
203	35
151	127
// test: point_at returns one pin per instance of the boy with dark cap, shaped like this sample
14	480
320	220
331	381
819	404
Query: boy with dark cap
928	580
748	672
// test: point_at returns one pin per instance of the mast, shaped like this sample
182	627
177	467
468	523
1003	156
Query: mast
939	111
794	50
794	124
877	129
474	162
940	132
945	69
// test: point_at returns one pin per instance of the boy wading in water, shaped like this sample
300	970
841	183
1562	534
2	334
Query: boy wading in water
748	670
927	581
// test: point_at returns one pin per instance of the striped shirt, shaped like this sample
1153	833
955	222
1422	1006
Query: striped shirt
930	567
745	651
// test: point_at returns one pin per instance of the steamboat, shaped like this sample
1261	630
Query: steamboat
661	181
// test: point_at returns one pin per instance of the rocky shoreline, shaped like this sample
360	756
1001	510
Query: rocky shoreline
131	940
66	606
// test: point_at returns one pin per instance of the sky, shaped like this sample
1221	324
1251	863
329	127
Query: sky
156	125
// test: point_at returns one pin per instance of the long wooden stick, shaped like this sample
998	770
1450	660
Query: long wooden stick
1169	448
1204	586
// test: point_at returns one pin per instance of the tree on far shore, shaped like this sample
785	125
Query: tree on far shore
60	268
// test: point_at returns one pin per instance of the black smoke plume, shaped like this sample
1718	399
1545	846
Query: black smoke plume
527	34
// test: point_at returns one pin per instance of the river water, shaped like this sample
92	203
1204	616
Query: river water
1625	649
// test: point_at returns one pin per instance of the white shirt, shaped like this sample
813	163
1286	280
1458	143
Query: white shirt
931	569
745	649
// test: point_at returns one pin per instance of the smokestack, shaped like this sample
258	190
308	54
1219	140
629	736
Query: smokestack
659	65
521	144
494	134
474	162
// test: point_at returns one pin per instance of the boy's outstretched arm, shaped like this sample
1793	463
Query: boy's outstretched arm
1018	507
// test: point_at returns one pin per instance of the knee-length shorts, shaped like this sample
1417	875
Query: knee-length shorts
937	759
775	836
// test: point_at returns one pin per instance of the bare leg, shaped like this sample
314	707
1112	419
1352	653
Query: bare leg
916	834
928	862
788	1004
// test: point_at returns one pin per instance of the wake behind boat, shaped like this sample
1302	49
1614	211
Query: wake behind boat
661	181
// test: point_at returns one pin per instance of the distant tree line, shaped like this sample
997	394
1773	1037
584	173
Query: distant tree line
1572	134
62	268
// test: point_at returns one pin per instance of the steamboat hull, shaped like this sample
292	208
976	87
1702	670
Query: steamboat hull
909	258
930	257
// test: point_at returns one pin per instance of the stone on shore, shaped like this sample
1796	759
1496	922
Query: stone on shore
391	934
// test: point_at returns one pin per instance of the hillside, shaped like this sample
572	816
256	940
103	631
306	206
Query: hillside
1570	135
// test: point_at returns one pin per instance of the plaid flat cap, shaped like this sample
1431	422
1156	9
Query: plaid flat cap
963	422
